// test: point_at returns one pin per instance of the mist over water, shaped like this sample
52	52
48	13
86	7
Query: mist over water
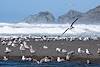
49	29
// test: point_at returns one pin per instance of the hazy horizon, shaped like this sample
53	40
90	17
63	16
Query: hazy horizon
12	10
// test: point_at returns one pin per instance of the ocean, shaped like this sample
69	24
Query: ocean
49	29
49	64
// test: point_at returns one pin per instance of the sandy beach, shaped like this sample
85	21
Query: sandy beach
40	52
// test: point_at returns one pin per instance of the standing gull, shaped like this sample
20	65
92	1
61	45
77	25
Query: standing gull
5	58
46	59
25	45
88	52
7	50
98	51
68	57
88	61
31	49
80	50
22	47
34	60
59	59
23	58
64	51
9	43
45	47
58	49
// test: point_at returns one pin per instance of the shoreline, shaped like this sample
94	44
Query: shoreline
72	59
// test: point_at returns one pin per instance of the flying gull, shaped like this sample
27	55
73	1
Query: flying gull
71	26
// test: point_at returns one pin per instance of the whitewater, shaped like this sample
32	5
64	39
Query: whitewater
49	29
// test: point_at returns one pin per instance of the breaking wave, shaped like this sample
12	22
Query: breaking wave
56	29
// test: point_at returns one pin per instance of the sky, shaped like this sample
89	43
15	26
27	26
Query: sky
12	10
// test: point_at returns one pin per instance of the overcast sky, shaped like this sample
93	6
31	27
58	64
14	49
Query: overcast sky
18	9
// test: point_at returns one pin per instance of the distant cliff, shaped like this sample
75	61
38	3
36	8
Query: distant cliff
90	17
41	17
69	17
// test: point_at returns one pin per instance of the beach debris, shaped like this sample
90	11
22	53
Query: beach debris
7	50
5	58
59	59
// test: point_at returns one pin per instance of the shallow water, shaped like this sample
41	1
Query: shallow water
49	64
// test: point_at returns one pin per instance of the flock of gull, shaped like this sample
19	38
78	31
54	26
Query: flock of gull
22	42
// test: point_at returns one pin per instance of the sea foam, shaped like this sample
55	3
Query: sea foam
56	29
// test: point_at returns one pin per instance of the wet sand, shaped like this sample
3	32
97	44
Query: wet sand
92	45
